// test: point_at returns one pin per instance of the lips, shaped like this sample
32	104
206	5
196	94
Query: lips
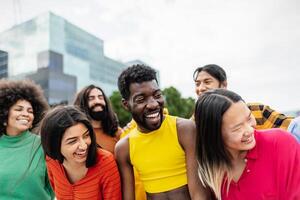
97	107
81	154
153	118
248	140
23	121
153	115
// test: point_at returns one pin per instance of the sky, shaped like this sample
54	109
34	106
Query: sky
257	42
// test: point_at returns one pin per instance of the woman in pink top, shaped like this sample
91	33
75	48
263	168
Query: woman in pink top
238	162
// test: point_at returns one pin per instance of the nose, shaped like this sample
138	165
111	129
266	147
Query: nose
82	144
201	88
152	103
25	113
96	100
248	131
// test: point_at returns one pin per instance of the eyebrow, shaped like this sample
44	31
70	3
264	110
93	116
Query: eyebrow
143	94
20	106
158	90
138	95
96	95
241	122
71	138
209	78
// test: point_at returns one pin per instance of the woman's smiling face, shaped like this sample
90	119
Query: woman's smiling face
20	117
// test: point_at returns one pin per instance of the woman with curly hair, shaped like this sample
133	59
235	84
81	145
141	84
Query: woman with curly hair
22	168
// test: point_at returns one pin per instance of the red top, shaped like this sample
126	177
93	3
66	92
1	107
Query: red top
272	170
102	181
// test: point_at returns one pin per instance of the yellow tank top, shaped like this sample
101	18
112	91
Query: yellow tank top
158	157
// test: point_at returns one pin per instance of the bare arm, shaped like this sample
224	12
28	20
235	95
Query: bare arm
187	136
125	168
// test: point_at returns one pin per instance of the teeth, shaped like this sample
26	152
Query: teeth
80	154
247	140
23	121
153	115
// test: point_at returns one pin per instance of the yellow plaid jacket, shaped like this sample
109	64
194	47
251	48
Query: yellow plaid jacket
267	118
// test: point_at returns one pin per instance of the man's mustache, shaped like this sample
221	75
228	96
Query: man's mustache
96	105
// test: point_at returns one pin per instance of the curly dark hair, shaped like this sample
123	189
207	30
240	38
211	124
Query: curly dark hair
134	74
110	124
12	91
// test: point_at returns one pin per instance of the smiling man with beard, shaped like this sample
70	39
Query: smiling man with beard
161	148
96	105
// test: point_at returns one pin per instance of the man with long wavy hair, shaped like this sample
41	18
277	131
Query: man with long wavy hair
93	101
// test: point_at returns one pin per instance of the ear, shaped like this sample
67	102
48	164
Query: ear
125	104
224	84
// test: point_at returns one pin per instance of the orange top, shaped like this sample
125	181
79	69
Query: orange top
105	141
102	181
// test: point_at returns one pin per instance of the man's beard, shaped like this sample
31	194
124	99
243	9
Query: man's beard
142	122
98	115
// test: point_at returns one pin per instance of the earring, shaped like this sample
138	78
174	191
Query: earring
4	124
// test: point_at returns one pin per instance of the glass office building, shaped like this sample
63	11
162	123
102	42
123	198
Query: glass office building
3	64
49	41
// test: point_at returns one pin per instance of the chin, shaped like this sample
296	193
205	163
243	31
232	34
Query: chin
250	146
83	161
23	129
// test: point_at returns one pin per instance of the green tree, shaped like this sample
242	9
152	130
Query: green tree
123	115
178	106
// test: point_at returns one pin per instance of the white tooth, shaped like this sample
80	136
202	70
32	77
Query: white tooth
153	115
82	153
23	121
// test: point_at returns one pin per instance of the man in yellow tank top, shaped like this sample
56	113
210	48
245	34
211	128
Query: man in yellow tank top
161	148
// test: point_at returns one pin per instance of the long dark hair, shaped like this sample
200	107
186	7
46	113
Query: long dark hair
214	160
110	124
212	69
53	127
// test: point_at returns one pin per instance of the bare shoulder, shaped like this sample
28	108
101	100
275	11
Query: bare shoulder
122	148
185	125
186	130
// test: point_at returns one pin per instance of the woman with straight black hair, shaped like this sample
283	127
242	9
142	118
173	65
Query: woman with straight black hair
76	167
235	160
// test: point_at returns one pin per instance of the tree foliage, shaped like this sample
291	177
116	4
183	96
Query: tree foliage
123	115
178	106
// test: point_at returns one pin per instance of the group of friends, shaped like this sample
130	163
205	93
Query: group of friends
228	149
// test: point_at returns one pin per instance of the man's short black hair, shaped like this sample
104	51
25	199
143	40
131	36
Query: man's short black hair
214	70
134	74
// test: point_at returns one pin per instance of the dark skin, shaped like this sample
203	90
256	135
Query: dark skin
145	98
